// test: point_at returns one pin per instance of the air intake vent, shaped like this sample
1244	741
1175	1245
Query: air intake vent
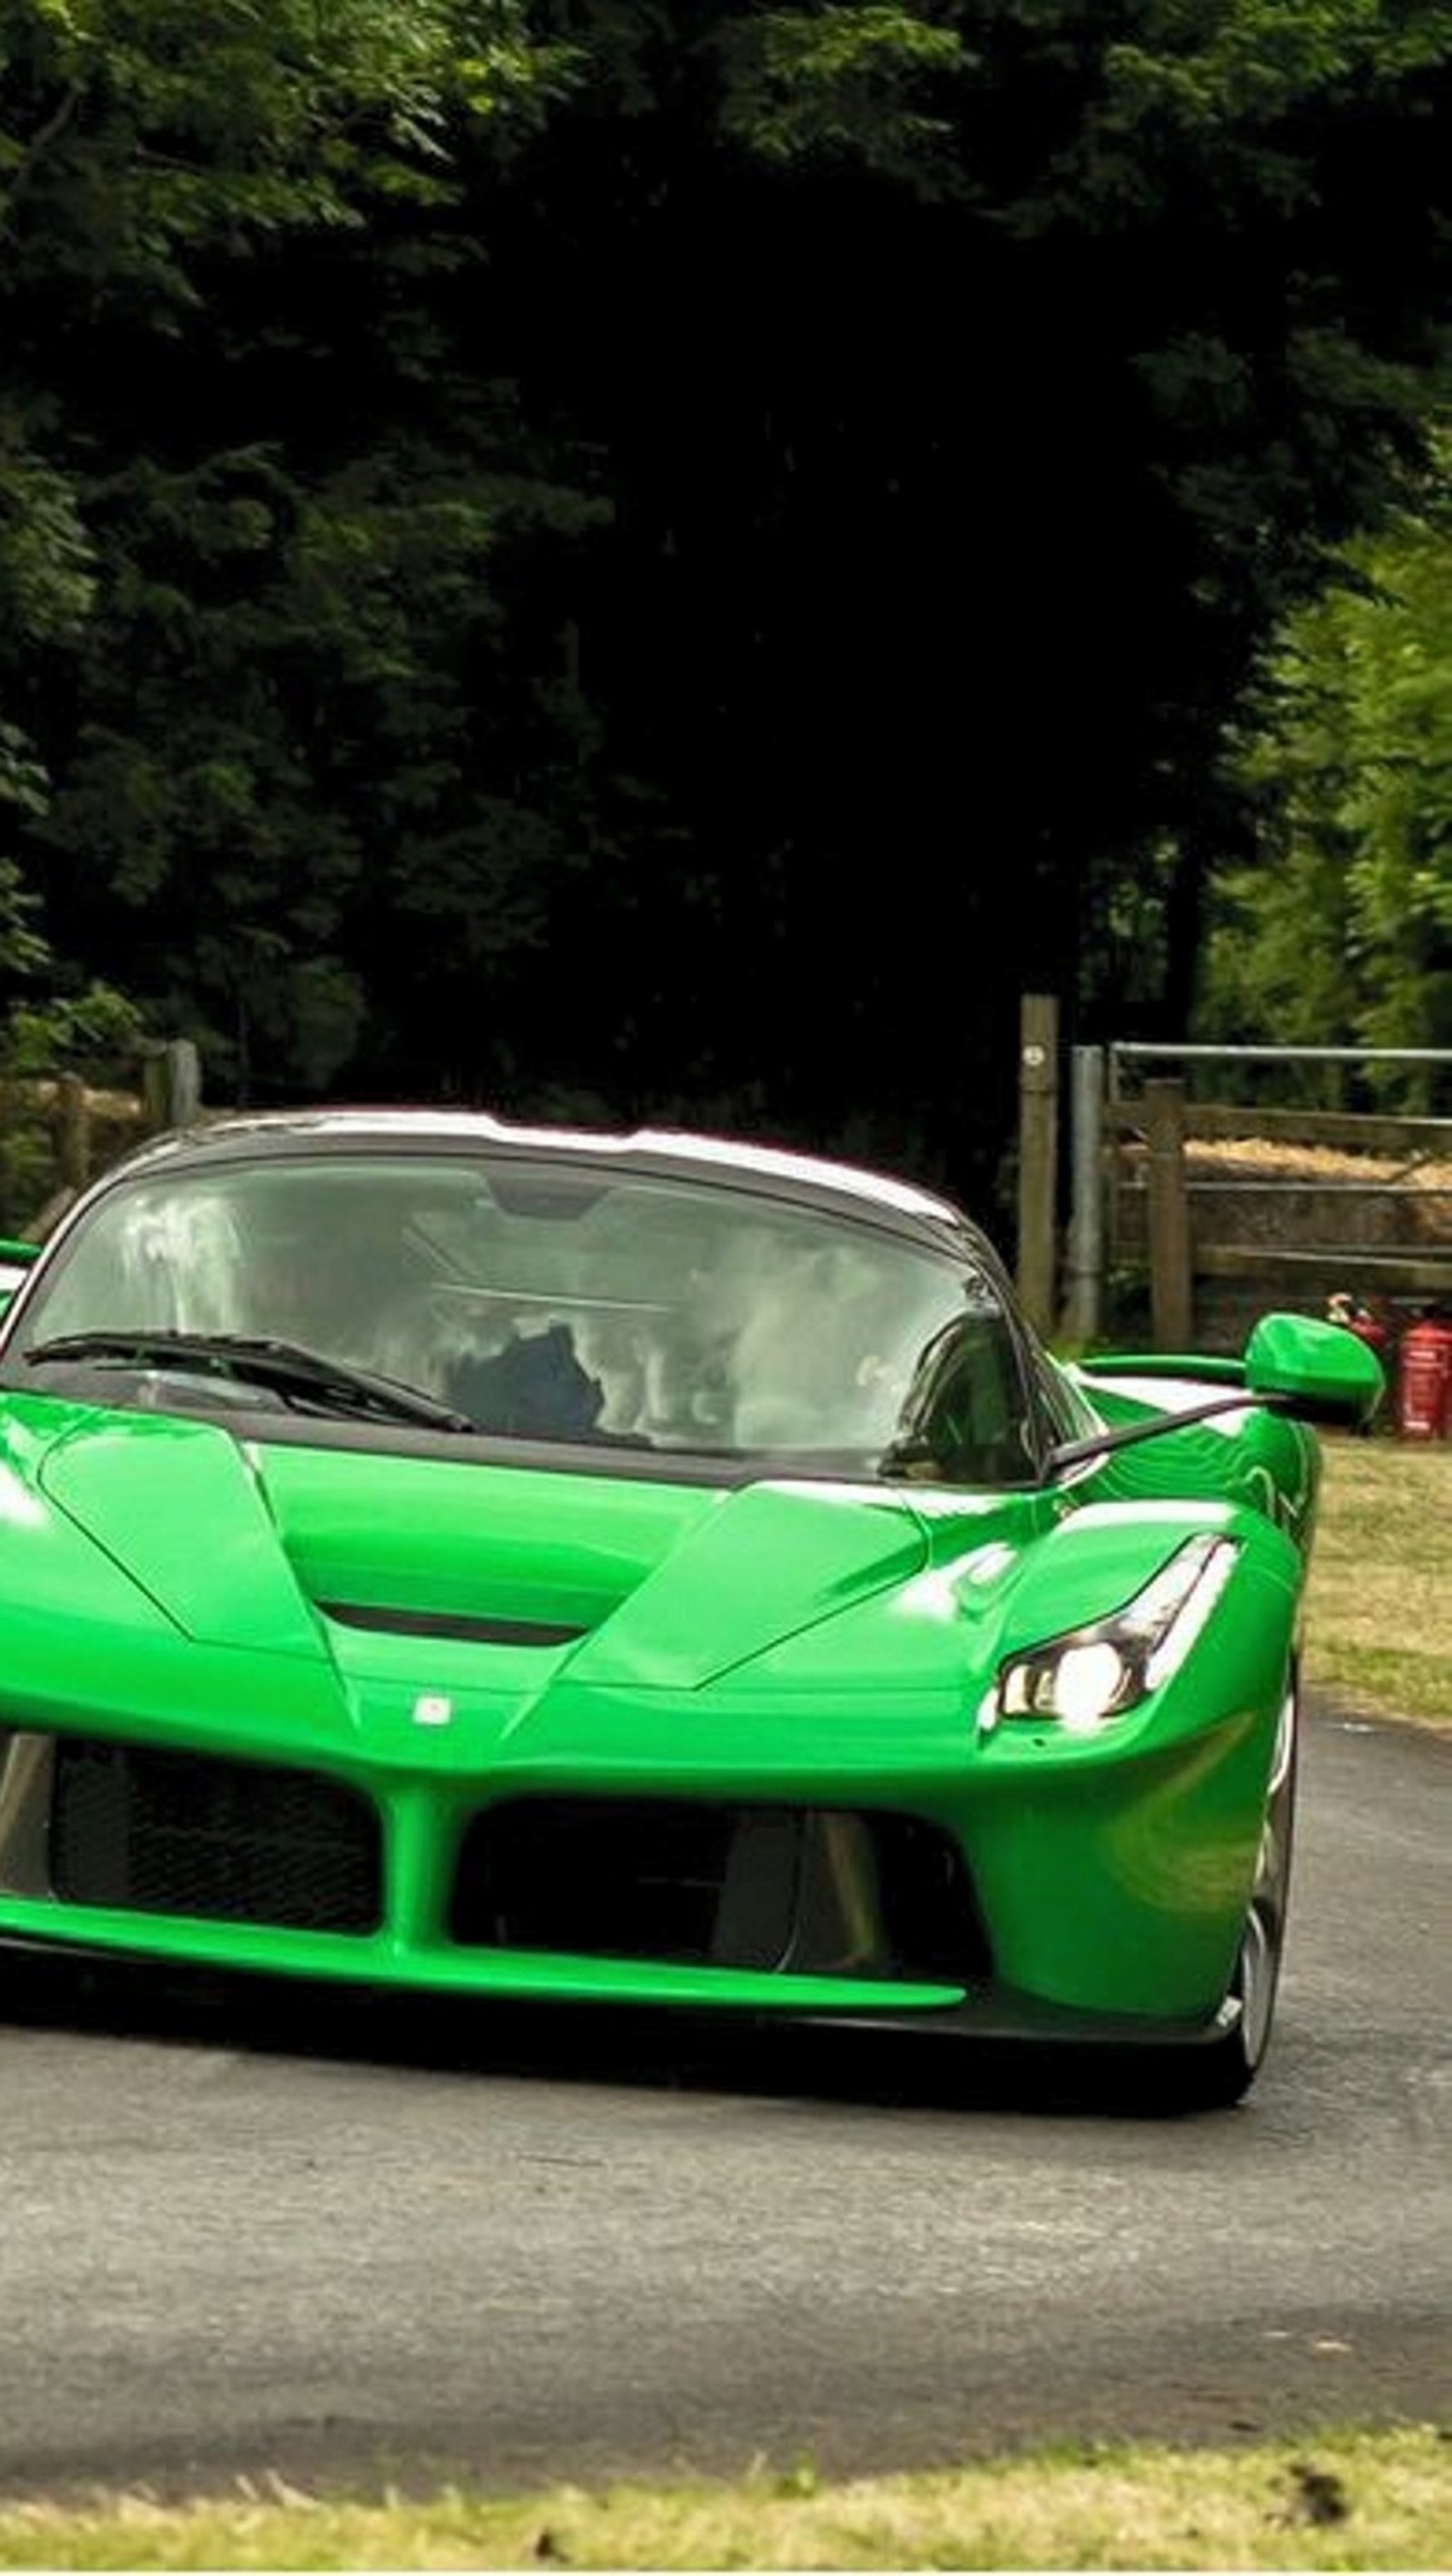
810	1891
231	1842
447	1623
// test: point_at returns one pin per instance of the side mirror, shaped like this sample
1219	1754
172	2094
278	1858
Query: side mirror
1320	1371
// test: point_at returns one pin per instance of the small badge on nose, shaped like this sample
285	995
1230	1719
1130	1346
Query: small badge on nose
433	1708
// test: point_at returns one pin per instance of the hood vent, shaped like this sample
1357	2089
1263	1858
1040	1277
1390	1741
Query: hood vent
450	1623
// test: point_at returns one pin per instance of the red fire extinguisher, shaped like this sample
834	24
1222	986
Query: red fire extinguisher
1369	1327
1424	1380
1376	1331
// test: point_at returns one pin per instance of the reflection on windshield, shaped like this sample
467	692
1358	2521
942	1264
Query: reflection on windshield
659	1312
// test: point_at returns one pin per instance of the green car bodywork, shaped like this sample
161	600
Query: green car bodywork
292	1684
15	1259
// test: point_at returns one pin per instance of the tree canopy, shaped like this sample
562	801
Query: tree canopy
1339	930
648	559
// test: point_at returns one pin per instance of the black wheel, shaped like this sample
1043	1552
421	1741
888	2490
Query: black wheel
1222	2070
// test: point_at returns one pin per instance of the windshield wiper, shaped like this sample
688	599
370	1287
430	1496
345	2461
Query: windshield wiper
284	1367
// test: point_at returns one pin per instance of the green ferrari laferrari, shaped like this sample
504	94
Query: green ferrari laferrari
643	1569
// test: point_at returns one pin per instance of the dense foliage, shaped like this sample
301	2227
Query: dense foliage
646	558
1340	931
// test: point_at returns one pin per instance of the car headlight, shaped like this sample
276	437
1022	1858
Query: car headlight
1098	1672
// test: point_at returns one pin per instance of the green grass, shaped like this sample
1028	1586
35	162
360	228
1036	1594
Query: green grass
1345	2499
1380	1595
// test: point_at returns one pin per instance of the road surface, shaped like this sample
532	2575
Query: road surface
359	2250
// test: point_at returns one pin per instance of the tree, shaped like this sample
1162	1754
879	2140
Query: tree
977	386
221	565
1341	930
660	559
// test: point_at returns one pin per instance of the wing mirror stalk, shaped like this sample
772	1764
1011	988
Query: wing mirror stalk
1295	1364
1072	1453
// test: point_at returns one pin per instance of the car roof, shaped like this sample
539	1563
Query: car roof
681	1152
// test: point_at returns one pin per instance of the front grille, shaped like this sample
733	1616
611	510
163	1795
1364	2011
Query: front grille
805	1890
230	1842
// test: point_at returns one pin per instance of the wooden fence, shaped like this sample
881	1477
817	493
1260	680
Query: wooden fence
1383	1235
57	1131
1211	1212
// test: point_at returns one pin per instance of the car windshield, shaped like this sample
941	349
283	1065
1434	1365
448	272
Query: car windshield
535	1298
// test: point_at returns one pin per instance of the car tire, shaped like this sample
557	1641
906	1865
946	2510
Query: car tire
1220	2072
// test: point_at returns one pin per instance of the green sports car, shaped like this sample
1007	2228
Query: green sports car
646	1569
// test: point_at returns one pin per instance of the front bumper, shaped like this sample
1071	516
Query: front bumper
1012	1896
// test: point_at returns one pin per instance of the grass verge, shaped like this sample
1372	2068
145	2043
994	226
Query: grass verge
1379	1602
1343	2500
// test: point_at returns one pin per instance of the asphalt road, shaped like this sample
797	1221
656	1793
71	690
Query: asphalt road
357	2251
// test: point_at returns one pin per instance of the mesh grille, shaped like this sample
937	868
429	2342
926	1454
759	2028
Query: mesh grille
801	1890
233	1842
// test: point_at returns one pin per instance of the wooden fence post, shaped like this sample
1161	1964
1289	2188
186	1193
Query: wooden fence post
1038	1154
171	1085
1084	1288
72	1132
1172	1305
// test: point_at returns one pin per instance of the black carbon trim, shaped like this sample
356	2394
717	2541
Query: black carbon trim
447	1623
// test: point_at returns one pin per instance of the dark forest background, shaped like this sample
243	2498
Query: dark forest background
670	558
